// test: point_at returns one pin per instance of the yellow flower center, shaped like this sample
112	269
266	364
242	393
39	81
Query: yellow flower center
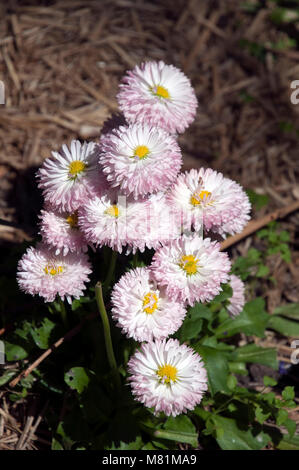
189	264
160	91
150	303
53	270
167	373
72	220
76	167
199	196
113	211
141	151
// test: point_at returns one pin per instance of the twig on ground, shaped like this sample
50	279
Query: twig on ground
255	225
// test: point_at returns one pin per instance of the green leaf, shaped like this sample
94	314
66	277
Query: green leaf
257	200
288	393
180	429
231	382
284	326
256	354
217	368
288	443
269	381
281	417
238	368
77	378
14	352
7	376
230	437
262	271
251	321
41	336
225	294
288	310
134	445
193	323
291	426
260	415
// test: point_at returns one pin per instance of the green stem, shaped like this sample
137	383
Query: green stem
63	313
107	333
111	270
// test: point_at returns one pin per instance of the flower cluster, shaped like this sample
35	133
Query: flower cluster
126	192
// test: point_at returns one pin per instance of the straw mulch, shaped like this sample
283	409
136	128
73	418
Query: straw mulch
61	62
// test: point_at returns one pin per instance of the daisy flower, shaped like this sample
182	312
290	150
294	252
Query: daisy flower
158	94
205	198
237	301
112	220
42	272
142	309
191	269
167	376
140	159
70	177
60	230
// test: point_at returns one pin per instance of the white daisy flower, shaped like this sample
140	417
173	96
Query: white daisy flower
70	177
167	376
140	159
142	309
158	94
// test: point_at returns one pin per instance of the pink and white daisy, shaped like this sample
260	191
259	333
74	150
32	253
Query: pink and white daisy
205	198
167	376
191	269
70	177
237	301
142	309
158	94
60	230
111	220
42	272
140	159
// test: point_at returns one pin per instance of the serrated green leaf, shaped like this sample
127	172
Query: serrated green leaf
134	445
77	378
288	393
260	415
41	335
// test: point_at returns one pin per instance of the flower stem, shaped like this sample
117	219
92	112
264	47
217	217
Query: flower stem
63	313
107	333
